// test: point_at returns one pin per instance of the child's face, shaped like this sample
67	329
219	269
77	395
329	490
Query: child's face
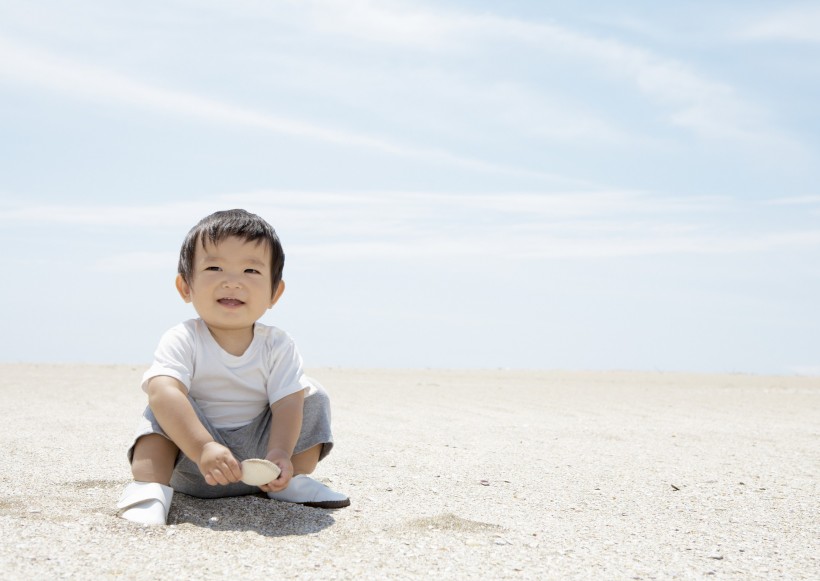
230	284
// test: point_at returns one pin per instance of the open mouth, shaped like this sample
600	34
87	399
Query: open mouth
230	302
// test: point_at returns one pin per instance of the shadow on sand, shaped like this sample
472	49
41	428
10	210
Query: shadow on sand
249	513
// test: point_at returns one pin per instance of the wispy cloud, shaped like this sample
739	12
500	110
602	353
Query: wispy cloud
516	226
794	201
56	73
393	23
137	262
710	108
62	74
171	214
435	42
799	24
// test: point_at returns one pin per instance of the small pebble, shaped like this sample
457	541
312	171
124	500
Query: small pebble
473	543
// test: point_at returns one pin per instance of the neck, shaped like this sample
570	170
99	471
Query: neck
234	341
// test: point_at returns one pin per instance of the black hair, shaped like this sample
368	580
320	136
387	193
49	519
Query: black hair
240	223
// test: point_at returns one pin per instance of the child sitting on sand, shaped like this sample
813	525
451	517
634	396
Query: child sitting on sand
224	387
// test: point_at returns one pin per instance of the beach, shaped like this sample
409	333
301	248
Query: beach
451	474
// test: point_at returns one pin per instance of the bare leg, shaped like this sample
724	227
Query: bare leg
305	462
154	458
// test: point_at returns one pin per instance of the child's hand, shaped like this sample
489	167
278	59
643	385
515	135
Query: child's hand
281	459
218	465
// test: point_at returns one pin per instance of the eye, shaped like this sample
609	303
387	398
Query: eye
213	268
252	271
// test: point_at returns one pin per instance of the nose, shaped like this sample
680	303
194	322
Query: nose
231	282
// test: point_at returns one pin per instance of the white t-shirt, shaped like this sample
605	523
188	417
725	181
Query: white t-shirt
230	390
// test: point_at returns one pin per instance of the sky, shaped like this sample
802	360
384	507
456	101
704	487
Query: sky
519	185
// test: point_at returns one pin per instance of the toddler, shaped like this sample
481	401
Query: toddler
223	387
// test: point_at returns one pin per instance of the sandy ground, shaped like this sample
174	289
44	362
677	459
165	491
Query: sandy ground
508	475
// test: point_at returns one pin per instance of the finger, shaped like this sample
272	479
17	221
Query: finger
219	476
286	473
271	487
281	482
285	469
234	469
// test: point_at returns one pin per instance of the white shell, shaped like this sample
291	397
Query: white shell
256	471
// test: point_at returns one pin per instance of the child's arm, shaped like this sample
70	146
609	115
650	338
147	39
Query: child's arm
168	400
286	425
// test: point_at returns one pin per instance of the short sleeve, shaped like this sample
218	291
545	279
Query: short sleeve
174	357
286	370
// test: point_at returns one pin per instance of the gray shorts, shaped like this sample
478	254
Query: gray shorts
248	441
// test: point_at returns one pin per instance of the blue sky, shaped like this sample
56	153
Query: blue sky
553	185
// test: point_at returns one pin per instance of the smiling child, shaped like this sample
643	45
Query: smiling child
223	387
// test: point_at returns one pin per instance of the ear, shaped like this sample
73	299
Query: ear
279	290
183	289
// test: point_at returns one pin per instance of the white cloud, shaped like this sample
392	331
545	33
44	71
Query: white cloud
137	261
57	73
171	214
800	24
794	201
387	22
710	108
516	226
677	91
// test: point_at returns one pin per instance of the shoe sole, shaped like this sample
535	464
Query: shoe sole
328	503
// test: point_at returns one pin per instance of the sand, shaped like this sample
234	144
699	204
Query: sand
455	475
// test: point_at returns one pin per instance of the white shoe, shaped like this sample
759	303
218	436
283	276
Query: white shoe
146	503
305	490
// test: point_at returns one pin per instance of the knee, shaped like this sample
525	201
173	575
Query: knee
155	445
306	462
153	458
